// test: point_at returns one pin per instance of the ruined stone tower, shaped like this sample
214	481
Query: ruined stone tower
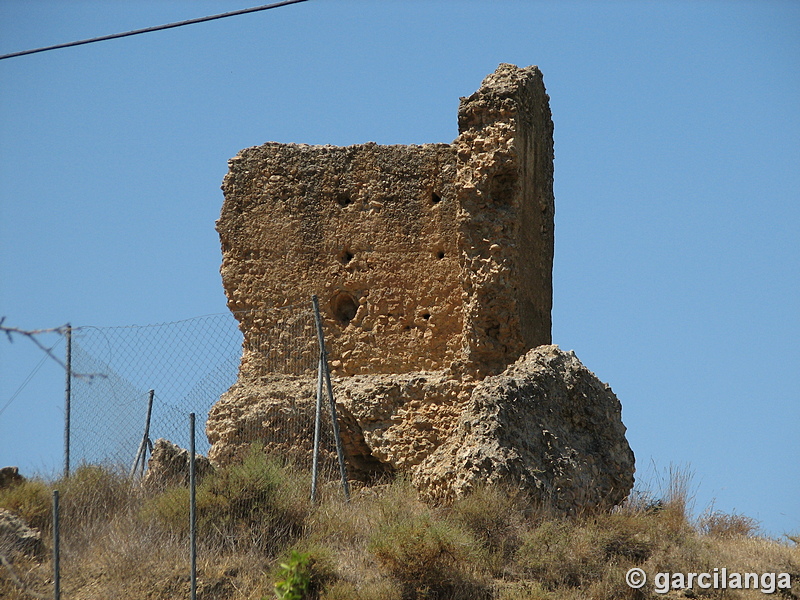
433	266
423	256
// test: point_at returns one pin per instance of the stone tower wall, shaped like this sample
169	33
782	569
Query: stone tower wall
505	192
424	257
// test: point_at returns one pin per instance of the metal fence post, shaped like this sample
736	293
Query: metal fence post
192	513
56	550
67	396
141	455
323	357
317	429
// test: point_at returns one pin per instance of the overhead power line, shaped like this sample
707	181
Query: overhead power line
114	36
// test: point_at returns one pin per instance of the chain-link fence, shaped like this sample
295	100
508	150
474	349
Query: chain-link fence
187	367
188	364
264	400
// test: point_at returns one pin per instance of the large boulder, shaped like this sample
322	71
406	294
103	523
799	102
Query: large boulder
276	412
546	424
391	423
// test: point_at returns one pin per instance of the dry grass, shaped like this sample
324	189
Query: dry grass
122	541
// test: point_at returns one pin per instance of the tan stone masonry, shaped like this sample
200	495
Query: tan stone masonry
423	256
433	266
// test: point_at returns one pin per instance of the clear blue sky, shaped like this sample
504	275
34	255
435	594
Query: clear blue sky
677	181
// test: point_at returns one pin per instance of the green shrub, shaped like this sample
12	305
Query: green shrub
562	552
294	577
723	525
304	572
248	490
93	493
169	508
628	537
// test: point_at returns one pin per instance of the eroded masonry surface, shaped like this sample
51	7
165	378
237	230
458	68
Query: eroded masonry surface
422	256
433	266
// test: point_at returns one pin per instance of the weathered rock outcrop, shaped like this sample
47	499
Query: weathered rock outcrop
433	266
277	412
400	419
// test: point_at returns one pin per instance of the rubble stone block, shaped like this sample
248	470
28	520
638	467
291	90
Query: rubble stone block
546	424
17	536
168	465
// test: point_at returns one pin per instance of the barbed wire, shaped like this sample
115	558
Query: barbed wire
31	335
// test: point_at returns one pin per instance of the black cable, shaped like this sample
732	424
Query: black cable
150	29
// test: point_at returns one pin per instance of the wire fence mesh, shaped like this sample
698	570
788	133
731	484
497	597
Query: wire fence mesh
190	365
257	397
